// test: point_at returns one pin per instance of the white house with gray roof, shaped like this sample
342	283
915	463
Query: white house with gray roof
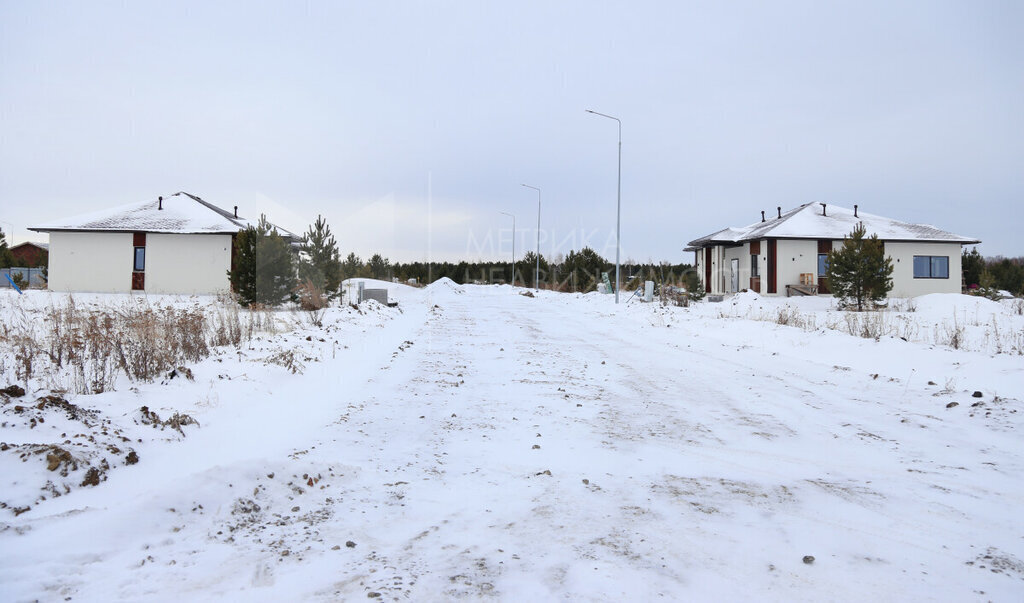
174	244
785	253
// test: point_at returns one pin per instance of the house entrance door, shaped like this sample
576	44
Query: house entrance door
735	284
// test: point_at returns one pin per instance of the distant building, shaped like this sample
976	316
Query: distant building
30	254
786	253
174	244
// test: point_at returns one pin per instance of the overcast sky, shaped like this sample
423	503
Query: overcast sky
410	126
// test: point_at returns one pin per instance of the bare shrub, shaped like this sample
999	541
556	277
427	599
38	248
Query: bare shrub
225	326
792	317
312	300
908	304
953	335
869	325
18	334
288	360
675	296
785	316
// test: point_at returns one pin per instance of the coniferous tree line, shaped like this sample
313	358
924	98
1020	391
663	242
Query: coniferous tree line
267	270
579	271
995	273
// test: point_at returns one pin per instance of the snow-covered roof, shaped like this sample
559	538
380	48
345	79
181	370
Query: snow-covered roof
180	213
821	221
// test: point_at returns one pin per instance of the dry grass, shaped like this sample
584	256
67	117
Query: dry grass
313	301
84	350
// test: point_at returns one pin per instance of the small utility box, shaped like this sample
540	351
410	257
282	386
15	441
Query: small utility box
380	295
648	291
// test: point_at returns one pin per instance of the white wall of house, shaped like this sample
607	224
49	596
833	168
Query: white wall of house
903	282
187	263
175	263
795	257
90	261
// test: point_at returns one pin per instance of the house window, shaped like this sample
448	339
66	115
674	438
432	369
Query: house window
139	261
931	266
753	267
822	264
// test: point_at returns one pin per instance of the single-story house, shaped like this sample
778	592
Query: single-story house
174	244
30	254
786	253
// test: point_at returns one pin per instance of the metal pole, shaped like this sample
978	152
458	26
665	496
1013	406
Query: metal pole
618	217
513	247
536	274
618	204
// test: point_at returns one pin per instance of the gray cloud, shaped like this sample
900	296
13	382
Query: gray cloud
909	110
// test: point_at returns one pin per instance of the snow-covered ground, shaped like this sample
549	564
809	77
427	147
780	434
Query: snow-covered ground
477	443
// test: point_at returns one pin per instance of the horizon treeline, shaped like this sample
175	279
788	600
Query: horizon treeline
579	271
999	272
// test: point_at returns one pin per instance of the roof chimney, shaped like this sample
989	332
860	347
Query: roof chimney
236	211
855	212
160	202
823	206
779	209
762	215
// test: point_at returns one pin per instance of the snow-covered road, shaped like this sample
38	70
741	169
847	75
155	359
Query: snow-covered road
484	444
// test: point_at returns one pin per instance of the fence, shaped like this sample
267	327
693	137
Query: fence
33	276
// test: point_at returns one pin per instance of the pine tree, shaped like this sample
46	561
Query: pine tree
351	266
582	269
6	257
973	265
322	264
378	267
264	270
859	271
526	268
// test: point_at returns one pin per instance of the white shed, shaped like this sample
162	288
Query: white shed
175	244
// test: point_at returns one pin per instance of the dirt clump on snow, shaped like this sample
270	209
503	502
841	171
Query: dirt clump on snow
13	391
71	447
95	475
73	411
175	422
58	458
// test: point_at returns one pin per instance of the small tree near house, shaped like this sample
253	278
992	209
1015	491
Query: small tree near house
264	268
859	273
321	266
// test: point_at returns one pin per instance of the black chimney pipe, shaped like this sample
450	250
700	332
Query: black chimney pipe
855	212
160	202
236	211
823	206
779	209
762	215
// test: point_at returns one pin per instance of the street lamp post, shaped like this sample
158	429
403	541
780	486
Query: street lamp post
618	204
513	247
536	274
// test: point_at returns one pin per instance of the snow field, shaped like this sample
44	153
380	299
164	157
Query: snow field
475	443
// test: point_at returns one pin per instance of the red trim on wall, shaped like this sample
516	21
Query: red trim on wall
138	239
707	270
772	266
